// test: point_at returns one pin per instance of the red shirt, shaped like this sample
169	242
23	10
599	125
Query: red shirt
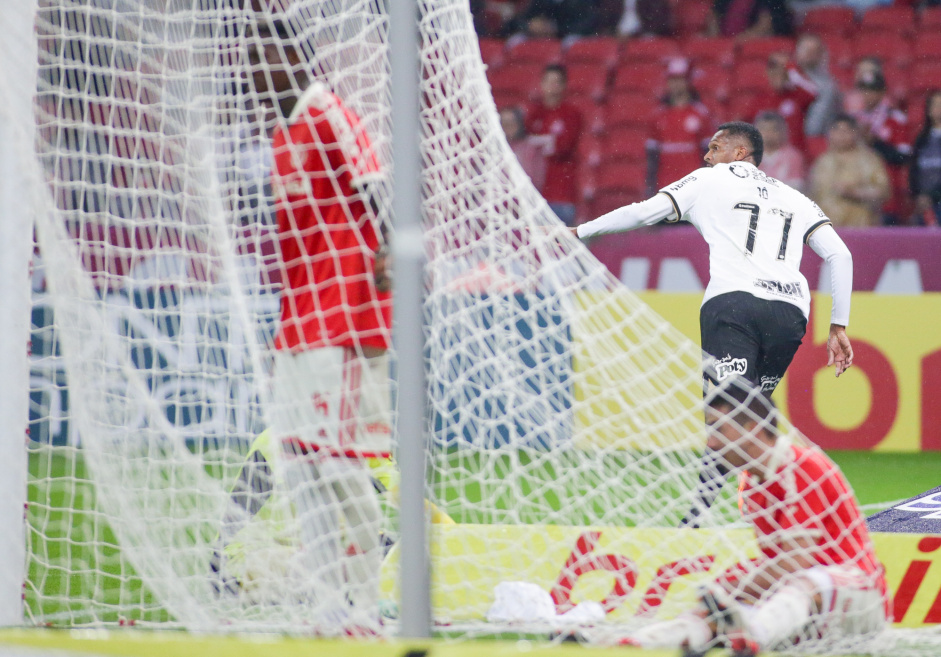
890	126
808	496
565	123
791	102
328	236
679	135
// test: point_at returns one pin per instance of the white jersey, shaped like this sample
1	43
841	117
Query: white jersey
755	227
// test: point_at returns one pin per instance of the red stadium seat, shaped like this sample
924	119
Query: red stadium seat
593	114
599	51
539	51
655	50
897	80
893	19
712	80
514	78
692	17
887	47
760	49
750	76
840	51
619	185
587	80
623	144
646	76
635	109
832	20
930	20
928	45
493	52
720	50
925	77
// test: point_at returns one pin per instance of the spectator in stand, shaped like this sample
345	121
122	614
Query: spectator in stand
682	130
810	55
640	18
925	176
791	95
559	19
781	161
553	116
530	150
849	181
853	98
885	129
750	19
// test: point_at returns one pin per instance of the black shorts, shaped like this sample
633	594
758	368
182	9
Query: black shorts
752	337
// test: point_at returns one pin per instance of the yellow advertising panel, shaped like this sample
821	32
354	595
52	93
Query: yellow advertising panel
633	572
890	400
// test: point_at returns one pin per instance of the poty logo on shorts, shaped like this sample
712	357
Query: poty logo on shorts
769	383
729	366
929	505
777	287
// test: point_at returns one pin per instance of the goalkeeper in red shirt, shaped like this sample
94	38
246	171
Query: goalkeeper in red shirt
817	577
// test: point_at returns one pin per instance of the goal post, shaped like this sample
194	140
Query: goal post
19	185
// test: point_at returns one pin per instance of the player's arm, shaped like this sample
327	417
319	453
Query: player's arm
827	244
645	213
793	554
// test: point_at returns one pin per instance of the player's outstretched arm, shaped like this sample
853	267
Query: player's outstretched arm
839	349
629	217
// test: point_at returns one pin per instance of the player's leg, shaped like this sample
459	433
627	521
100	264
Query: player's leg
727	330
306	418
783	326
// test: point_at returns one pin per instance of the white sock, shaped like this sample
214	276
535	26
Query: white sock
686	629
783	616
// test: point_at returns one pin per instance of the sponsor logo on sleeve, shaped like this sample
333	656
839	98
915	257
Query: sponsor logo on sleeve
681	183
780	289
728	366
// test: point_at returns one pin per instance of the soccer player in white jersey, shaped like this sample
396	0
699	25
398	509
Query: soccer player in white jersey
816	577
755	308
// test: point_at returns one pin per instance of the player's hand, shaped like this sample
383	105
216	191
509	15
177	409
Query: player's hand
839	349
382	270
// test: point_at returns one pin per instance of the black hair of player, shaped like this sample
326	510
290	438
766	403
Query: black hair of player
557	68
744	402
750	133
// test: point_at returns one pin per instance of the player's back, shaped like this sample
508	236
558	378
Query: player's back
755	227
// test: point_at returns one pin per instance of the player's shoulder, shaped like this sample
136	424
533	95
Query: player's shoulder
696	177
815	466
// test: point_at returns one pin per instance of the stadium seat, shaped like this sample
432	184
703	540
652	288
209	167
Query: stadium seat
644	76
514	78
619	185
587	80
929	21
928	45
623	145
492	51
655	50
925	77
751	75
631	108
593	114
887	47
897	80
589	152
830	21
692	16
598	51
538	51
713	80
841	51
720	50
760	49
893	19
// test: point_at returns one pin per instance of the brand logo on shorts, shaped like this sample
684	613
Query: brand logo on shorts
729	366
769	383
783	289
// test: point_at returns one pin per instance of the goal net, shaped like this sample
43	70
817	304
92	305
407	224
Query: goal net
206	454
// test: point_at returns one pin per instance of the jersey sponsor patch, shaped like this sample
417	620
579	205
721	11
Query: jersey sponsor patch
680	184
728	366
794	289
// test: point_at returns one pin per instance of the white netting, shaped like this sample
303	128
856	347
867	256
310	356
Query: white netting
563	412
